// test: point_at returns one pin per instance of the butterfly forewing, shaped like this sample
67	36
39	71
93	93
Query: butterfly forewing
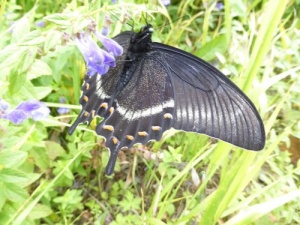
212	104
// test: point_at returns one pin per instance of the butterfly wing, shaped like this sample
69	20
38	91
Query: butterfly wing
140	112
97	90
207	102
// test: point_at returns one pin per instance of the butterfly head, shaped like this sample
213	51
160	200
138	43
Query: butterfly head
147	29
141	41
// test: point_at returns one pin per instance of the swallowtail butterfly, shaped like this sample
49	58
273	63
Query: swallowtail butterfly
155	87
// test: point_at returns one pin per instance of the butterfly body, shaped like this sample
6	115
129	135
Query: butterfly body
155	87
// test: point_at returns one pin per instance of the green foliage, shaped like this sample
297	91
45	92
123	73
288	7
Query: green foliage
48	177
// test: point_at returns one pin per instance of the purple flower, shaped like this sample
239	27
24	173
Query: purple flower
62	110
108	58
106	25
111	46
16	116
91	72
114	1
92	54
105	31
4	106
166	2
97	60
40	23
29	109
220	5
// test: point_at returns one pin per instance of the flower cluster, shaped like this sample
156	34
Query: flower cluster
29	109
97	59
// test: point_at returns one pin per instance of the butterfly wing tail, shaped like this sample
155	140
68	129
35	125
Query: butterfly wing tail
80	119
114	150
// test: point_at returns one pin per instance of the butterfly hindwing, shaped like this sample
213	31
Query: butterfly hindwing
98	90
143	110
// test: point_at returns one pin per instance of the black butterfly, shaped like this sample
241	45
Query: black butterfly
155	87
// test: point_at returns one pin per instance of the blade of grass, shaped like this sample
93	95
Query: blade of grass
234	182
255	212
228	20
206	22
257	195
170	186
2	8
217	158
271	20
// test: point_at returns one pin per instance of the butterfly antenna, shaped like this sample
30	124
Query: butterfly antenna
126	17
132	26
115	17
146	18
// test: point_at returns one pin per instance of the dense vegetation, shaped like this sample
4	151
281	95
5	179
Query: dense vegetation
49	177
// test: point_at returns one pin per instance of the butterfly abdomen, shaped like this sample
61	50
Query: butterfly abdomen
128	70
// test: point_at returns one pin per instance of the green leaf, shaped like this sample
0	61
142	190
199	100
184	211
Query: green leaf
3	197
40	211
52	40
238	8
33	38
81	25
63	54
28	59
209	50
170	209
16	81
11	57
38	68
12	159
6	53
60	18
71	197
15	193
114	201
155	221
42	92
59	166
40	158
20	28
54	150
29	91
10	175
